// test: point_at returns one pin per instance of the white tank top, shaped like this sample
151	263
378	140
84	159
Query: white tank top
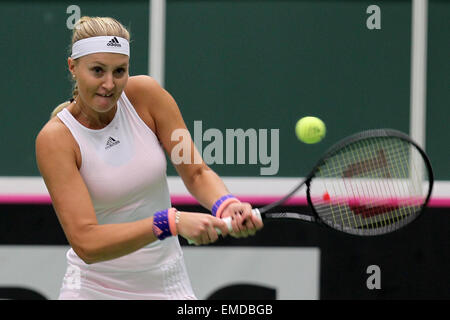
124	168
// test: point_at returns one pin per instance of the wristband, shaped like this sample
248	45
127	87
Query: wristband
164	223
221	204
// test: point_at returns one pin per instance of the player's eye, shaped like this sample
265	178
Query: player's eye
97	70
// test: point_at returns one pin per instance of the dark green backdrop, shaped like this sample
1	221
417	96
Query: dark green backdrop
246	64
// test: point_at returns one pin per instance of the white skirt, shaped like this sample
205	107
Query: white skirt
156	272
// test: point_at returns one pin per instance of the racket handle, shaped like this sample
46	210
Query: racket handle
227	220
256	213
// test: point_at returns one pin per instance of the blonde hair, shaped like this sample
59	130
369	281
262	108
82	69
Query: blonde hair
88	27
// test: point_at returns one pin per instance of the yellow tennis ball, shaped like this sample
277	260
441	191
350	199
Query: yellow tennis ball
310	130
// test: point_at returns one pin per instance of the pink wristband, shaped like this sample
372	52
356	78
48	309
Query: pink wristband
171	214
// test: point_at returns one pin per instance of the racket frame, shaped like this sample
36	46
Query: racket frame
314	216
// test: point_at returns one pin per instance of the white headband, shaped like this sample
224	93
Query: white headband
100	44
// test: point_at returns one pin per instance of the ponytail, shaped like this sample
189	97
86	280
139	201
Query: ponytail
59	108
65	103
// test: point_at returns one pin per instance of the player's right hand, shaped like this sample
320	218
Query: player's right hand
200	228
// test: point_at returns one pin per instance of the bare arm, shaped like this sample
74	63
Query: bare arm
202	182
56	159
172	132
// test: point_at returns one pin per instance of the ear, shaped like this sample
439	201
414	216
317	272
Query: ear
71	64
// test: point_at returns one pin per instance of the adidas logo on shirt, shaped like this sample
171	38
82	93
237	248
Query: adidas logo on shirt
114	43
111	142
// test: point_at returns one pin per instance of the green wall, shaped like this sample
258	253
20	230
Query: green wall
35	45
240	64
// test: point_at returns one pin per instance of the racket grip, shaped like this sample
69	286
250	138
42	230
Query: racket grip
227	220
256	213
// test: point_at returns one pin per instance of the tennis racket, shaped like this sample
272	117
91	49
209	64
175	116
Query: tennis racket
368	184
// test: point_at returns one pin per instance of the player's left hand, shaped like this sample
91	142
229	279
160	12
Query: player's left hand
244	223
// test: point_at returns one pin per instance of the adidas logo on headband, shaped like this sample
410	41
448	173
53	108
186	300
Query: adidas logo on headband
114	42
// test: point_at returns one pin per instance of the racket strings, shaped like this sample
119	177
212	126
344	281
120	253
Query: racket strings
372	184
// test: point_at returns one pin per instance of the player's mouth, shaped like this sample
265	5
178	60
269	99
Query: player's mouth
106	95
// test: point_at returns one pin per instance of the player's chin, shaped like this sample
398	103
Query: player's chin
104	103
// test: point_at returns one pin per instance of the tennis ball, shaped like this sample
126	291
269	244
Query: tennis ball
310	130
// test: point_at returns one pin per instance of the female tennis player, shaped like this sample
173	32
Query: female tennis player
102	158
